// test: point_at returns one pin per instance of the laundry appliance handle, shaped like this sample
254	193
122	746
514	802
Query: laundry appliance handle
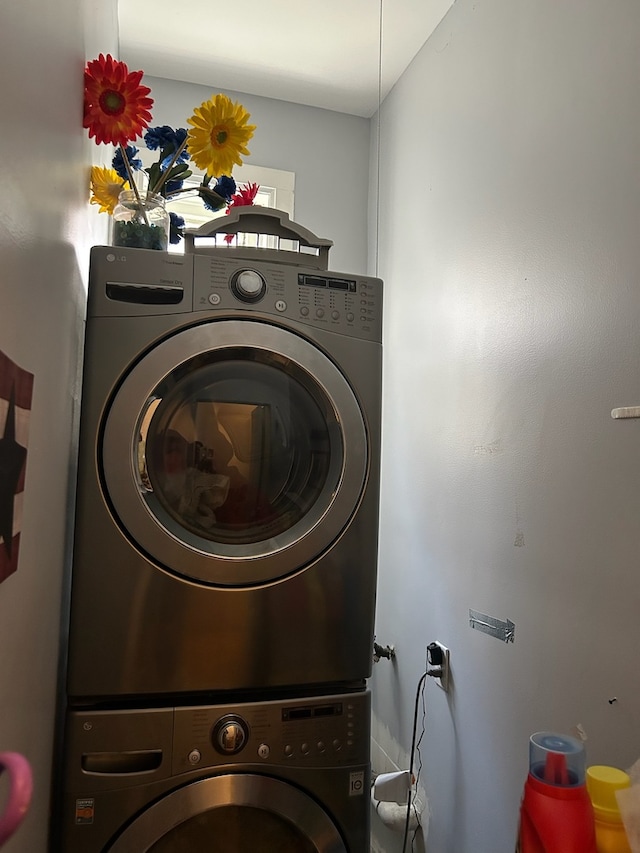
308	250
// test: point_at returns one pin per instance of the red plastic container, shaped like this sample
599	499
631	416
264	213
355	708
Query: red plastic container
556	815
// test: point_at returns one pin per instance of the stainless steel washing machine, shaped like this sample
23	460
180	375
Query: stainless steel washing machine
227	505
275	777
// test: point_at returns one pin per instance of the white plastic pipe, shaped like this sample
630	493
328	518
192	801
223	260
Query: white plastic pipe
394	815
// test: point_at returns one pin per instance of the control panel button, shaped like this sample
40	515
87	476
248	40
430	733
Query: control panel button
335	315
320	313
194	756
281	305
214	298
304	311
288	750
263	750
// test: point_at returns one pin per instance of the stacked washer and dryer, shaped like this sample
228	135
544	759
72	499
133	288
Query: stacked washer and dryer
224	571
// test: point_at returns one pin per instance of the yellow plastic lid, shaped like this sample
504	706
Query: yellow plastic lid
602	784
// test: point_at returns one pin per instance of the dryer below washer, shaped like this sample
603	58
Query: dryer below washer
289	776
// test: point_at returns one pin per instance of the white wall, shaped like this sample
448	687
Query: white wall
45	235
328	151
510	250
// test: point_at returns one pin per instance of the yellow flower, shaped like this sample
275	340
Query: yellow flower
106	186
219	135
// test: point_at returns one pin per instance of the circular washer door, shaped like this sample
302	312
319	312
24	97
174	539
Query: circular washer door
232	814
234	453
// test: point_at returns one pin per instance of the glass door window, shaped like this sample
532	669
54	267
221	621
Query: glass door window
232	813
237	449
235	829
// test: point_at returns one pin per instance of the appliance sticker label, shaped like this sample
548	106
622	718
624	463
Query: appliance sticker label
356	783
85	811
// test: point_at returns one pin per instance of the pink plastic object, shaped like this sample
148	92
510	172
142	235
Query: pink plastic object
21	787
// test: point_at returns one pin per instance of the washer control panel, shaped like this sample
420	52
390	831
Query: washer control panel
136	282
321	731
113	749
339	302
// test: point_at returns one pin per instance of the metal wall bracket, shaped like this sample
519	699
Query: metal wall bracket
626	412
503	630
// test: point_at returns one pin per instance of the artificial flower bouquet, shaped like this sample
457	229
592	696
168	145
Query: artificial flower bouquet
117	111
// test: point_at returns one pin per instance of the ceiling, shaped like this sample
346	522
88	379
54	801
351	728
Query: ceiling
321	54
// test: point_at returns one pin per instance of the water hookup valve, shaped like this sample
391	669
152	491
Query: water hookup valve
379	651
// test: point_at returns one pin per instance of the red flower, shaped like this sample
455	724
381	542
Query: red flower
242	197
116	106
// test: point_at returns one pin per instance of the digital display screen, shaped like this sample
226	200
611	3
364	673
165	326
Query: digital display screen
333	283
307	712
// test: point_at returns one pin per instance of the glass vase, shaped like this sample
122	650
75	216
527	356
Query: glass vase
141	223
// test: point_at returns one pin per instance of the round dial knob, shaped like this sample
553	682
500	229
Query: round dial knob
248	285
230	735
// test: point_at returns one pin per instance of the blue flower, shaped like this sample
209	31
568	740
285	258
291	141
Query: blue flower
225	187
167	140
176	227
171	187
118	162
